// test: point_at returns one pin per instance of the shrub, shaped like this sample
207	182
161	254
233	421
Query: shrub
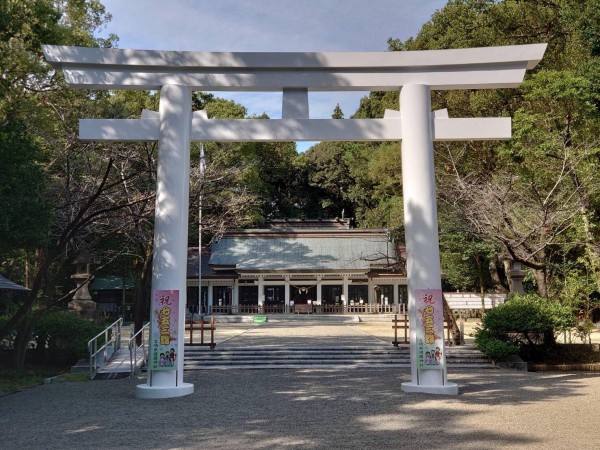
494	347
522	320
8	341
63	337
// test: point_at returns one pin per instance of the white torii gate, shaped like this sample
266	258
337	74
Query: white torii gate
414	74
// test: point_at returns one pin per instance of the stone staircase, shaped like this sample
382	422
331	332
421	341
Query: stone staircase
371	356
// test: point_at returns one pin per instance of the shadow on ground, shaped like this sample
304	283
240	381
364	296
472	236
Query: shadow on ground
251	409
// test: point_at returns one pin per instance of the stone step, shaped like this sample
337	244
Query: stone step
298	361
325	364
341	356
284	358
192	352
279	351
309	358
298	366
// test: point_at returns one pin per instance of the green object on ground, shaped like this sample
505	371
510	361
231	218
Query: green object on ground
260	319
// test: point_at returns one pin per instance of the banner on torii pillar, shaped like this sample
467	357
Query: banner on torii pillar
164	330
430	329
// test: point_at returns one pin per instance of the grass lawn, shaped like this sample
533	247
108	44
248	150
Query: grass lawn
35	373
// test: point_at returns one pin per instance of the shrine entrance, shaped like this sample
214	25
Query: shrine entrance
413	74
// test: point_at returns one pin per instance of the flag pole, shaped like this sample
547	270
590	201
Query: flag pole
201	168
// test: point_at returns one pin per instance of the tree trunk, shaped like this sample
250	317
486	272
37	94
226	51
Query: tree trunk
481	277
29	301
540	278
21	344
142	300
506	264
449	318
498	285
592	249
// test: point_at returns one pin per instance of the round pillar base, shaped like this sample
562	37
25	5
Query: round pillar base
445	389
145	391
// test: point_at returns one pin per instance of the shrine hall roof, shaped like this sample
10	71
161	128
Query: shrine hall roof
300	249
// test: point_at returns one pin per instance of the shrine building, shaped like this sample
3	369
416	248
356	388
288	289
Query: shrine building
299	266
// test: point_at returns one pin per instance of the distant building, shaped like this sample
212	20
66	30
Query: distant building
113	294
320	266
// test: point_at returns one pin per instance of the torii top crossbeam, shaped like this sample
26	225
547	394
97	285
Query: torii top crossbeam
295	74
470	68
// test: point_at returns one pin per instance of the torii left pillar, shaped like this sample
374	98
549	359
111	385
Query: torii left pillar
171	232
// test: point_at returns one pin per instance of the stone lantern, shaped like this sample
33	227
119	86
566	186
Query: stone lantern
515	275
82	303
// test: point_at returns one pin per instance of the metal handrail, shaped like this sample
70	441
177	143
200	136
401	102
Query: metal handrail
133	347
110	337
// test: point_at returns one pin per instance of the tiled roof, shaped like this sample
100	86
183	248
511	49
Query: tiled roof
7	285
192	264
347	250
113	282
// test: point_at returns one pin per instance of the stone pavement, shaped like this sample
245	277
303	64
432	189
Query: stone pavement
304	332
309	409
242	334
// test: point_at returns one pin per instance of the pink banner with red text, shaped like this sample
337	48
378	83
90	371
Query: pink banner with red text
430	329
163	330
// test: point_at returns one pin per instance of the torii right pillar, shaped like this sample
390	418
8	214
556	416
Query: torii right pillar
427	352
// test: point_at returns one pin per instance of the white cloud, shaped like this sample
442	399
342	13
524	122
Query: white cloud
267	25
270	25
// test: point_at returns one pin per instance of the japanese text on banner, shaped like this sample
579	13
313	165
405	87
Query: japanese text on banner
163	330
430	329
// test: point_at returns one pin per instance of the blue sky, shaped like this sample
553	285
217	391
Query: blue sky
269	26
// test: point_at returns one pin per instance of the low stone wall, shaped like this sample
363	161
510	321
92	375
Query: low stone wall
472	300
585	367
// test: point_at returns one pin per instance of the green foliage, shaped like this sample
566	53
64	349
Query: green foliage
528	313
465	257
536	195
493	347
374	105
337	112
520	314
27	24
584	330
220	108
63	337
388	213
8	341
330	175
522	320
24	212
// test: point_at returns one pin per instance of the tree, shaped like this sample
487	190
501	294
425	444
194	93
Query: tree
32	116
534	195
24	213
330	176
337	112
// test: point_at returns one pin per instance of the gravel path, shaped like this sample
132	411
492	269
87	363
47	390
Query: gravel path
309	408
305	409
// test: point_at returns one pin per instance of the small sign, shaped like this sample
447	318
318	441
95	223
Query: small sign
163	330
430	329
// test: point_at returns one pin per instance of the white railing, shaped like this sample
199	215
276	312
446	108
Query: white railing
99	356
366	308
144	338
